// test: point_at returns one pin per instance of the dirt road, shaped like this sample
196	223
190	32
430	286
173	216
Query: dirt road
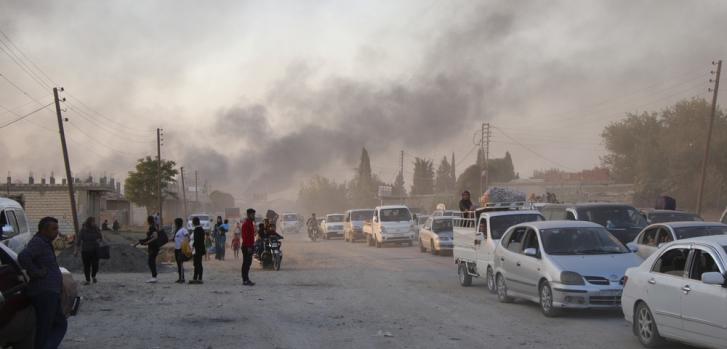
328	294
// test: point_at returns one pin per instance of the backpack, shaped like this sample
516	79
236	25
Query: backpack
162	238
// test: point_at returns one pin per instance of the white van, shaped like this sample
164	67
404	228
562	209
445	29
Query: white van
15	231
390	224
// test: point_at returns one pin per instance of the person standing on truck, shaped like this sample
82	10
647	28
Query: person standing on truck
465	205
46	283
88	241
248	245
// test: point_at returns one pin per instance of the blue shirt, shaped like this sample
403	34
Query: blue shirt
39	260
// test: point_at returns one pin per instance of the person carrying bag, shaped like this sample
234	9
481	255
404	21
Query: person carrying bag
90	241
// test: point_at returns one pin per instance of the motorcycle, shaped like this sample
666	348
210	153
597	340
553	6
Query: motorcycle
313	232
271	254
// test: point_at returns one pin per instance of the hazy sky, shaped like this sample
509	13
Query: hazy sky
260	95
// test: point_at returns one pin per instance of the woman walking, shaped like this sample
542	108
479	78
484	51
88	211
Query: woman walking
220	239
199	250
180	237
152	235
88	240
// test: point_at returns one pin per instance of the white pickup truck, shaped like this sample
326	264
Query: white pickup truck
390	224
474	244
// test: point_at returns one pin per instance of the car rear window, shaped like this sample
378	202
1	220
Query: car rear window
334	219
693	232
361	215
662	217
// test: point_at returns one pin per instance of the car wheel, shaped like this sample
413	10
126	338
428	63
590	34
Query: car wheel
369	240
645	327
546	301
465	279
432	249
491	281
502	290
410	243
378	244
422	249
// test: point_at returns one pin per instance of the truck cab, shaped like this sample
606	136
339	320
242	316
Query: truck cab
390	224
476	238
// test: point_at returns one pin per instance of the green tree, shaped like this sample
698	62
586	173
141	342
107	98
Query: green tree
221	200
364	187
453	174
322	196
443	181
398	188
661	154
141	186
423	181
500	170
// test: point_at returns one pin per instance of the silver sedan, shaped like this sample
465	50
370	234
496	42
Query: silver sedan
436	235
649	239
562	264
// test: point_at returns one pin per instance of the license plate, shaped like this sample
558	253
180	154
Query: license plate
612	293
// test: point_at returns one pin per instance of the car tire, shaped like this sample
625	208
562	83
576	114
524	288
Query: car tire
422	249
490	278
645	327
465	279
546	300
410	243
369	240
378	244
502	290
432	249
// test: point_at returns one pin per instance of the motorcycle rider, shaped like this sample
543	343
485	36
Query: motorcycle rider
312	223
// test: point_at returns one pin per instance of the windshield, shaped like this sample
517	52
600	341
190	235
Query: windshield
442	225
334	218
661	217
395	215
290	217
500	224
361	215
613	217
693	232
579	241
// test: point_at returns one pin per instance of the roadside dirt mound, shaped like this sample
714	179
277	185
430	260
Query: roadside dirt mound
124	259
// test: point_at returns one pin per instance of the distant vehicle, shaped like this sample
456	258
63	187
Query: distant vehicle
204	220
447	213
562	265
437	235
390	224
333	225
420	220
17	316
353	222
649	239
679	293
661	216
290	223
475	240
623	221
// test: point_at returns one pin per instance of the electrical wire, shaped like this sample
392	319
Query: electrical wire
25	116
27	58
533	151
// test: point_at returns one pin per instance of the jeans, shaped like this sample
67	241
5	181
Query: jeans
246	262
197	266
50	323
220	249
90	264
180	263
153	252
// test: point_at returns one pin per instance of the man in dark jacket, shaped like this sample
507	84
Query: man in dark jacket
248	246
199	250
46	283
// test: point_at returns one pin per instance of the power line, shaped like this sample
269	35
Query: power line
533	151
127	136
25	116
27	58
111	120
101	142
20	64
18	88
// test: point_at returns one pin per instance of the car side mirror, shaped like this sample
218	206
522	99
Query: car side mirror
632	247
532	252
713	278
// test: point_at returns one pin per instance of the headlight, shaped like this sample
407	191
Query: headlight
571	278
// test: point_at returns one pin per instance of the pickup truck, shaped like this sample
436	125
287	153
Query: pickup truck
474	244
390	224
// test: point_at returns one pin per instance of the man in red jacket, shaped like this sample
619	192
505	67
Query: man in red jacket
248	246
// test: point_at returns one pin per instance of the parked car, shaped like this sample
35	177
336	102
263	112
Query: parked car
420	220
680	293
562	265
204	220
333	225
17	316
390	224
649	239
475	240
291	223
353	224
661	216
623	221
437	235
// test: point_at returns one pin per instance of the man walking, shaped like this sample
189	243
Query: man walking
248	244
46	282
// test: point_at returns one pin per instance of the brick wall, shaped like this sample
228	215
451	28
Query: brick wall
55	203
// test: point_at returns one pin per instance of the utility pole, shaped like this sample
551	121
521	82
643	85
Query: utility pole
484	143
184	193
401	164
488	135
159	175
705	160
69	177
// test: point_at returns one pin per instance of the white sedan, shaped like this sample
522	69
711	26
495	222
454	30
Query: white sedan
654	235
680	293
